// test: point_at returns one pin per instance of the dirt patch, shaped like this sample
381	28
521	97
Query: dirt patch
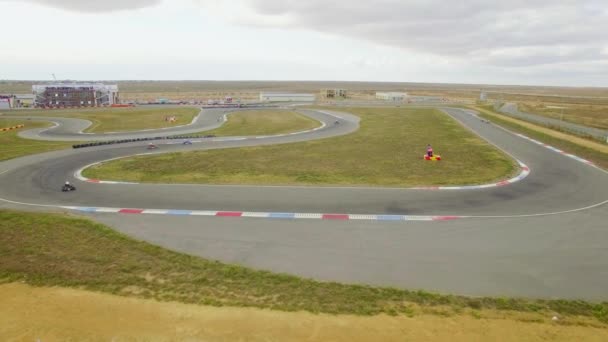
59	314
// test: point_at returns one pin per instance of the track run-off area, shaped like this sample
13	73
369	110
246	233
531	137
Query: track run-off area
540	234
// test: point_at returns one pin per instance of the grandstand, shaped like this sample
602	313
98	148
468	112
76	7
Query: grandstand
75	94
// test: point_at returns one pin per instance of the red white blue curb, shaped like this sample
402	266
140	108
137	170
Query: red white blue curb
267	215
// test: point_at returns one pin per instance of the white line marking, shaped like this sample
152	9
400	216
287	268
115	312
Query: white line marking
539	214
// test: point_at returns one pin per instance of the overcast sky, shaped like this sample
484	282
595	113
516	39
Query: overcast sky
544	42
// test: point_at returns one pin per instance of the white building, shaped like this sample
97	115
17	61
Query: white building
17	101
286	97
391	96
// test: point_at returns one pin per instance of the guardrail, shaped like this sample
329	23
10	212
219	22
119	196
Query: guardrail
511	110
126	141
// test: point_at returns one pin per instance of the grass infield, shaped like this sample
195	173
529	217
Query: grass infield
58	250
260	122
387	150
12	146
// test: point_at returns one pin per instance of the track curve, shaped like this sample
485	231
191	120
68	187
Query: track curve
556	185
71	129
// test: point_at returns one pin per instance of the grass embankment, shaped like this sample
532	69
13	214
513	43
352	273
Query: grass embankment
583	114
584	148
12	146
386	151
58	250
89	315
121	119
259	122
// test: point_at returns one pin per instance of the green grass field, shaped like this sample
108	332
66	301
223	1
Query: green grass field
122	119
386	151
12	146
259	122
58	250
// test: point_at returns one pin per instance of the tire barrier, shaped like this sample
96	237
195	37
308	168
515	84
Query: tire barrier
11	128
125	141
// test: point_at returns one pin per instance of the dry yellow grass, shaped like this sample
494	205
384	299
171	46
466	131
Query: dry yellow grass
574	139
584	114
59	314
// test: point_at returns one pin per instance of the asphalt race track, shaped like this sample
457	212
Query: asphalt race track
544	236
70	129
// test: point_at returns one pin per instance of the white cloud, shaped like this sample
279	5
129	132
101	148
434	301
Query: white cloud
468	41
94	5
504	33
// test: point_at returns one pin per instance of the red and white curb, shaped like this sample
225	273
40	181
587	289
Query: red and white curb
78	174
525	171
275	215
557	150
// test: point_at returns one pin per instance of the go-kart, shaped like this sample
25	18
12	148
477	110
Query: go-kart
152	147
433	157
187	142
68	187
